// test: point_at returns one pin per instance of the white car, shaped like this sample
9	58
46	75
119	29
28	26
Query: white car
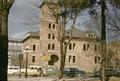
13	70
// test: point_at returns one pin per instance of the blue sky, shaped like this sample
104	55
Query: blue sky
22	15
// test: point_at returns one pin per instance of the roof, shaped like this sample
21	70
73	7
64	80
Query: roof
32	34
14	40
77	33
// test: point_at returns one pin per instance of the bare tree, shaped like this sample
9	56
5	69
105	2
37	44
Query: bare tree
5	6
113	21
65	11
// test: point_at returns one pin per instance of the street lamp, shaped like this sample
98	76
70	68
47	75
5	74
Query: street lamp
20	59
27	49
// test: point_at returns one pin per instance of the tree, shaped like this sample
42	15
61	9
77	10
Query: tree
65	12
113	22
117	2
103	28
5	6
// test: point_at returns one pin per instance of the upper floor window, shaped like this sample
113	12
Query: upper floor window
99	59
49	25
69	60
95	59
84	47
34	47
49	46
53	27
33	58
53	46
73	46
73	59
53	36
70	46
95	47
49	36
88	46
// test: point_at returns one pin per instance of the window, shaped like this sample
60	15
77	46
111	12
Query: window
33	58
95	59
65	43
99	59
53	26
53	36
73	59
49	36
69	59
53	46
70	46
98	47
88	46
34	46
95	47
84	47
49	46
73	46
49	25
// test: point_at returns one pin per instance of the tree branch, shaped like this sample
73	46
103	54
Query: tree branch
9	3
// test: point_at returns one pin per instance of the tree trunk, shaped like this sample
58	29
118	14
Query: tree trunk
3	44
103	41
62	59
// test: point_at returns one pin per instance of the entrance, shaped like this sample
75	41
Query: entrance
53	59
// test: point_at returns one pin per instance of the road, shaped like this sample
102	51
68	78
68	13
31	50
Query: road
48	79
55	79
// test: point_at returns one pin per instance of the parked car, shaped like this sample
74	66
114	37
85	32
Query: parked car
109	72
13	70
80	72
73	72
31	70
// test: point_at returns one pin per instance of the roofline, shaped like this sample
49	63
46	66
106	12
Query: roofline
29	37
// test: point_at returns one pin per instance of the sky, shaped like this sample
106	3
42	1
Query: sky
24	17
19	17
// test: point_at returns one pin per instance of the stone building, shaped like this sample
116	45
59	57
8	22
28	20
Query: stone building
14	49
32	41
82	52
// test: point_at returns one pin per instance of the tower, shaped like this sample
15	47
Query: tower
49	45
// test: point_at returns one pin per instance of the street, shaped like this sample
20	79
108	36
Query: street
56	79
51	79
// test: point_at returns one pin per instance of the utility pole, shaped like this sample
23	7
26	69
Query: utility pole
20	59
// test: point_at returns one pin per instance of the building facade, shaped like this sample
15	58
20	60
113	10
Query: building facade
82	52
14	49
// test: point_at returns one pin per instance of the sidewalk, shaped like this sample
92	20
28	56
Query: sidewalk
31	79
40	79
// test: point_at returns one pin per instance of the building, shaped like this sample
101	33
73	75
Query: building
14	49
82	52
32	41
